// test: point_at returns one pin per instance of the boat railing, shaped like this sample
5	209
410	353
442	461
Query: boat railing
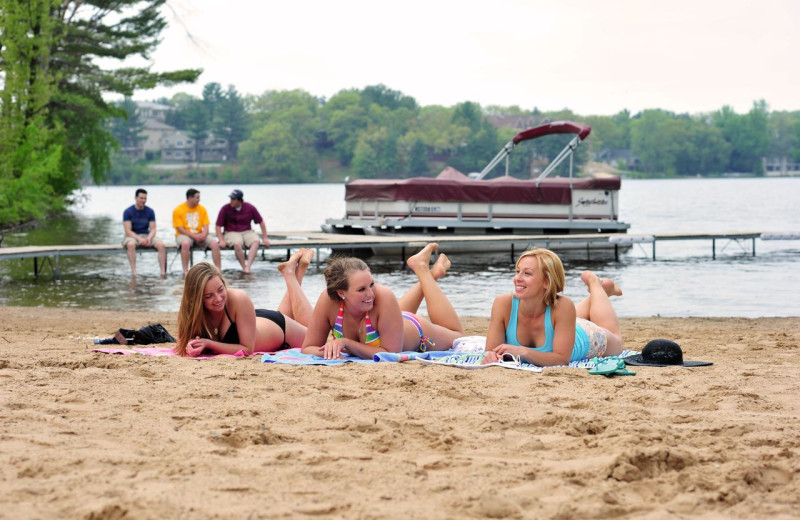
553	128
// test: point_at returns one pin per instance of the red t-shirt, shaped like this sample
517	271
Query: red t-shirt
231	219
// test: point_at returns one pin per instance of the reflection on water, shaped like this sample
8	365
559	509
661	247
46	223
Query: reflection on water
683	281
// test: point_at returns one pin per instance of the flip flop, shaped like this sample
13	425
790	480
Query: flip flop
611	366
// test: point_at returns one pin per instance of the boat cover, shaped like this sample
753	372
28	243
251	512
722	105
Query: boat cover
453	186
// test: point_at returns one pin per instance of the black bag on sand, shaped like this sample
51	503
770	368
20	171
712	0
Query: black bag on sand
147	335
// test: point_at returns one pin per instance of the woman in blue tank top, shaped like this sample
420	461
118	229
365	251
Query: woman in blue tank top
546	328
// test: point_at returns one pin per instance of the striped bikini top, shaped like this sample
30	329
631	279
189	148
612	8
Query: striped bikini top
371	336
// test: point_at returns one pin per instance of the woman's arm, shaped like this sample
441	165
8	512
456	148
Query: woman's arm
319	327
387	318
496	335
501	311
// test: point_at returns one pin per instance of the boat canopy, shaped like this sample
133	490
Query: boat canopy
553	128
453	186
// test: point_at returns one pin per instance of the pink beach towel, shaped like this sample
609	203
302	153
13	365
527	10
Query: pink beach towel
167	351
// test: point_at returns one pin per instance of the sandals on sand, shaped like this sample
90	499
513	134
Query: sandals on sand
611	366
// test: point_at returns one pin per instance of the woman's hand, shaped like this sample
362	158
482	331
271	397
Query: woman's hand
514	350
333	349
489	357
196	346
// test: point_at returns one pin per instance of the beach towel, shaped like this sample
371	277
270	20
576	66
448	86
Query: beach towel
293	356
470	344
473	361
167	351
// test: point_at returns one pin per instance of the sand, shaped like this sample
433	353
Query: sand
88	435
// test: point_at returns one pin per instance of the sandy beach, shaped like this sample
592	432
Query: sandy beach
98	436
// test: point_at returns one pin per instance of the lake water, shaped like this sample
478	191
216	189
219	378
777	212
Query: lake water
683	281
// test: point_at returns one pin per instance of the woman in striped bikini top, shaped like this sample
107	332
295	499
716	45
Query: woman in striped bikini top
364	318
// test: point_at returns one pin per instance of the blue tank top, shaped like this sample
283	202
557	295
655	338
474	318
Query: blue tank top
579	350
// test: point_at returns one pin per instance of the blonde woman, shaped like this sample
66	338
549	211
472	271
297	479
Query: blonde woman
215	318
546	328
363	318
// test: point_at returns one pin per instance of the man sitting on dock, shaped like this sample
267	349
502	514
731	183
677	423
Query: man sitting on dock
191	229
235	218
139	223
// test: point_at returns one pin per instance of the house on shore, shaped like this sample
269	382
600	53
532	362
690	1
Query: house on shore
160	141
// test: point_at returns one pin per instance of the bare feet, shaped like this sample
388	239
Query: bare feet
589	278
440	267
288	267
422	260
611	287
306	255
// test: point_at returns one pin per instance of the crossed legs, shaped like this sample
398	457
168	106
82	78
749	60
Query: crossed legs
295	304
444	325
598	309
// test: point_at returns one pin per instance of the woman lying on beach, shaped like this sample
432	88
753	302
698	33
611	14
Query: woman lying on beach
215	318
365	317
545	328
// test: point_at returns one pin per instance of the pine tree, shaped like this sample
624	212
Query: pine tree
53	81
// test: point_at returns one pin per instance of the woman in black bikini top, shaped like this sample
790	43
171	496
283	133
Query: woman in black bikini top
215	318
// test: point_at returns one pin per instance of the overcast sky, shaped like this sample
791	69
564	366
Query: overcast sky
592	56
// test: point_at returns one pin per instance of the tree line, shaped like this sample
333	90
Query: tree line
377	132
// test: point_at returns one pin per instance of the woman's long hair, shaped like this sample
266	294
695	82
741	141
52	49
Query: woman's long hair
551	269
191	316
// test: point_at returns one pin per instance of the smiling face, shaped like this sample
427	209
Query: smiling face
359	295
528	279
215	295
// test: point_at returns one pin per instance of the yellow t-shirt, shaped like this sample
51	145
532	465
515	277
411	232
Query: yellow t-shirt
192	219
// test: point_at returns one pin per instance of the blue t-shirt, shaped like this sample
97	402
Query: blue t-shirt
140	219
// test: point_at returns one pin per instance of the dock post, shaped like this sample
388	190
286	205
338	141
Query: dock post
402	258
713	248
616	252
654	250
512	252
36	267
754	245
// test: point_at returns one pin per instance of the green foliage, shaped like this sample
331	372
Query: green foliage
53	86
747	134
231	121
29	150
481	143
345	118
273	153
125	171
127	130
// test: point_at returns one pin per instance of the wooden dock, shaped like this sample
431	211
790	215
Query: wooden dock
401	244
